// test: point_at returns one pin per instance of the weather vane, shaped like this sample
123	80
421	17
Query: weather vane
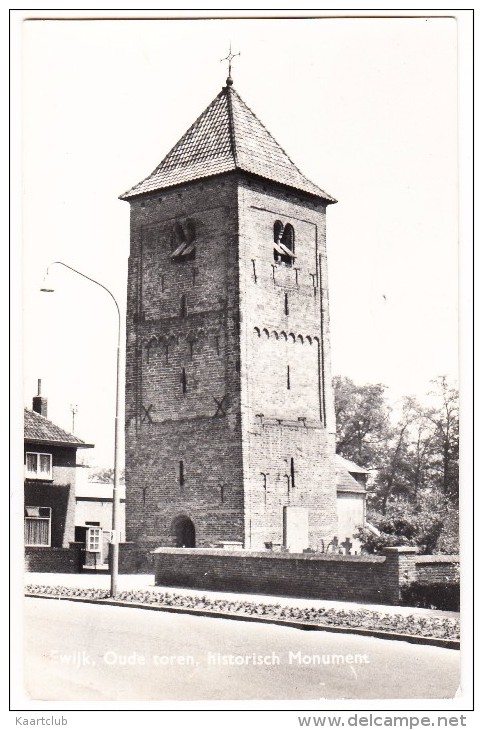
229	58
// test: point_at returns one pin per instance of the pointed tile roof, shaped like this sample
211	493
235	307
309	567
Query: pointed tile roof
39	430
227	136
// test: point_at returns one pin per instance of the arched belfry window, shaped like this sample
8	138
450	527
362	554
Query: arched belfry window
283	243
277	231
183	241
288	238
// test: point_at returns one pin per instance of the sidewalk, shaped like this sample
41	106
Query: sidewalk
146	582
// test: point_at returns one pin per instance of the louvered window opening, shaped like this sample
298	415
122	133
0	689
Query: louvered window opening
283	243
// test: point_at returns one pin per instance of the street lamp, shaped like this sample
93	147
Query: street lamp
117	426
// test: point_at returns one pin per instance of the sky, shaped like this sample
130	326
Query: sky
365	107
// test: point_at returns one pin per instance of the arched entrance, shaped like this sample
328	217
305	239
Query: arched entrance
183	532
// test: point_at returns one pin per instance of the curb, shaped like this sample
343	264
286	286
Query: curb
306	626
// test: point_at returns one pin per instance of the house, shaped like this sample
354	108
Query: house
51	473
351	502
93	518
230	423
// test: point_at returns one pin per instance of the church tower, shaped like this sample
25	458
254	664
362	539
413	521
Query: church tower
229	408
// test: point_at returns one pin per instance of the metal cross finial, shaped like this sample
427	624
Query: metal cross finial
229	58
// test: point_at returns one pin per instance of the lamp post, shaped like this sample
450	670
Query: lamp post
117	427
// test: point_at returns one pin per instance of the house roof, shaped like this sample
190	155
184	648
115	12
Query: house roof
351	466
347	483
39	430
345	480
227	136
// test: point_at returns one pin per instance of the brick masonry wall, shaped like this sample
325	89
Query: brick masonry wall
58	493
166	426
366	578
270	485
54	560
437	568
285	342
330	577
135	559
235	466
61	499
211	495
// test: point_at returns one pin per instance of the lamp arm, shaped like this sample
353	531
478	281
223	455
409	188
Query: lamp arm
61	263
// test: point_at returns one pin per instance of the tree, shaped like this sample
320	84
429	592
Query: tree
421	449
393	474
362	419
445	452
407	462
413	452
105	475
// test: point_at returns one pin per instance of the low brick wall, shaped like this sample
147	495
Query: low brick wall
54	560
437	568
135	559
364	578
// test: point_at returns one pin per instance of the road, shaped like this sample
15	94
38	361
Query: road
79	651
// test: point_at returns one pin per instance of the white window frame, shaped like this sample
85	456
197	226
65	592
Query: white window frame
37	473
37	518
94	539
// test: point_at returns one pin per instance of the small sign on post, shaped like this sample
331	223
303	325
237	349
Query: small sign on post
113	536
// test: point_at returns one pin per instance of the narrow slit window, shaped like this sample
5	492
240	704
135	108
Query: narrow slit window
288	377
292	473
182	309
286	304
184	383
181	473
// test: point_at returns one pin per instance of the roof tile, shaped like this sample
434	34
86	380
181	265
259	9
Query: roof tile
37	428
226	136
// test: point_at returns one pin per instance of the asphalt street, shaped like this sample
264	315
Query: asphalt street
80	651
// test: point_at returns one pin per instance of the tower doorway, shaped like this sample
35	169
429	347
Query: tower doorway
183	532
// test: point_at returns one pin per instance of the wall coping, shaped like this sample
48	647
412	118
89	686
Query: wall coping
248	554
437	559
409	549
47	548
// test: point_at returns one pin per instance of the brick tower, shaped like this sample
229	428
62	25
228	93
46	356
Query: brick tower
229	407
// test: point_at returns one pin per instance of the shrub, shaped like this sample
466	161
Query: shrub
443	596
431	525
